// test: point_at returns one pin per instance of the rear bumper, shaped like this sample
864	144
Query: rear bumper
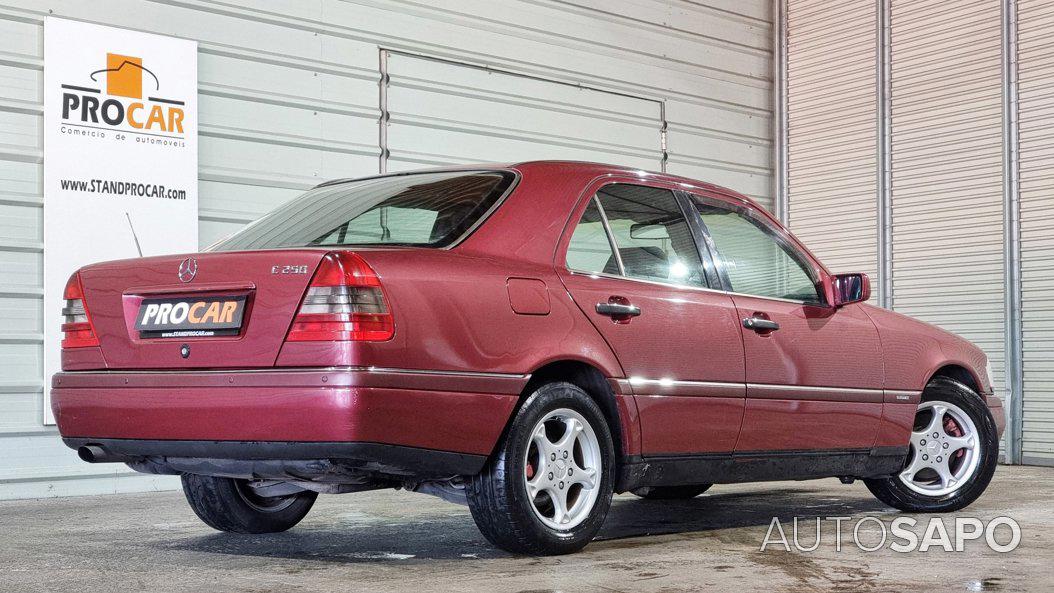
377	458
405	418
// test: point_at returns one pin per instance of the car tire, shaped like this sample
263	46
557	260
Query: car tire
228	504
671	492
932	493
562	424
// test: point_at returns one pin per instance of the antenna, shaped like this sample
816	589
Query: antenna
134	237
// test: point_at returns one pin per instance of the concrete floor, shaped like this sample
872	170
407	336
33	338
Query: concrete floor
385	541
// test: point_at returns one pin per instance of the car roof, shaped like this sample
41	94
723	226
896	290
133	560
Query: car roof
555	165
603	168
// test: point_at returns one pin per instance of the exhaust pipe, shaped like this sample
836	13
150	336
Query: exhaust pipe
96	454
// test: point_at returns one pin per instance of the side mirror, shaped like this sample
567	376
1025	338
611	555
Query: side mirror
850	288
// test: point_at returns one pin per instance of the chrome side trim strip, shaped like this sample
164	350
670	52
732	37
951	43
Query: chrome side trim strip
764	391
643	281
330	369
311	378
693	389
900	393
690	287
635	381
783	387
209	371
373	369
779	300
774	386
675	388
758	392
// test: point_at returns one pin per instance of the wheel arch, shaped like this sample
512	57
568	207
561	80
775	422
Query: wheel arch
960	373
594	382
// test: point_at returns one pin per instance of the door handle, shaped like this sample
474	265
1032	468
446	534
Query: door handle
760	324
618	309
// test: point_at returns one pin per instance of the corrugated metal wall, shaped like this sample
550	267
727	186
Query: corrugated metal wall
947	163
289	96
1036	109
947	168
442	113
833	134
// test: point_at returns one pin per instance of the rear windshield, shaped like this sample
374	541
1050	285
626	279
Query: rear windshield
424	209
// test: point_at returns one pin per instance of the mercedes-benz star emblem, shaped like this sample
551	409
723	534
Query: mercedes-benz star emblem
188	268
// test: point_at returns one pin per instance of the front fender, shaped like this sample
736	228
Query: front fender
914	351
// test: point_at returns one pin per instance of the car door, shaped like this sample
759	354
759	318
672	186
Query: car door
633	266
814	372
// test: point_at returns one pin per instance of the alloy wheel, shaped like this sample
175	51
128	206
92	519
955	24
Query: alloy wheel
945	449
562	469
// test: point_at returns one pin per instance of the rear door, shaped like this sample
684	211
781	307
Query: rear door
634	268
814	372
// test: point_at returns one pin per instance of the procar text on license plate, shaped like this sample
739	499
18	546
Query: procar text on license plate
190	317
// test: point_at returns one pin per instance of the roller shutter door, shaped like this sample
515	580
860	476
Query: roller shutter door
832	126
1036	84
443	113
947	169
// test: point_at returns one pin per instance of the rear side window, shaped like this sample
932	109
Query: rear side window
590	249
424	209
651	237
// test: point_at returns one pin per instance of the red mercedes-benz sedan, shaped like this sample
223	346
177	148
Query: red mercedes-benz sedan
526	339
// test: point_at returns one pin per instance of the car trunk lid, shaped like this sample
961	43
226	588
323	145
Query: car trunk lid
224	309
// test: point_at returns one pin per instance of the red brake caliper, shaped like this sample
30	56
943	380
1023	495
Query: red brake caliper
530	470
953	429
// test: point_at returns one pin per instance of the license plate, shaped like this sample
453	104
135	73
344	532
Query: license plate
191	317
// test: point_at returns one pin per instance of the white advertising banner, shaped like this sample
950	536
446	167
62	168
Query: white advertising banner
120	155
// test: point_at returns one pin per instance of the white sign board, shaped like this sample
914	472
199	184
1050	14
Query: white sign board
120	155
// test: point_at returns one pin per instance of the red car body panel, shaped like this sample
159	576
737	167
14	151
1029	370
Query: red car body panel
475	322
707	416
913	351
806	352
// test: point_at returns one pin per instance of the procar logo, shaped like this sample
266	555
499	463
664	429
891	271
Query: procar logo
132	101
190	317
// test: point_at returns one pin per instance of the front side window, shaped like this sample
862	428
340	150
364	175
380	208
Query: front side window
648	229
425	209
755	258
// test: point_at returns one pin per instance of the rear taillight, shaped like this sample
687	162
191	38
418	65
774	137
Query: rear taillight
344	302
77	329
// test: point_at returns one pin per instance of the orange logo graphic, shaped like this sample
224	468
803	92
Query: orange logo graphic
124	76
